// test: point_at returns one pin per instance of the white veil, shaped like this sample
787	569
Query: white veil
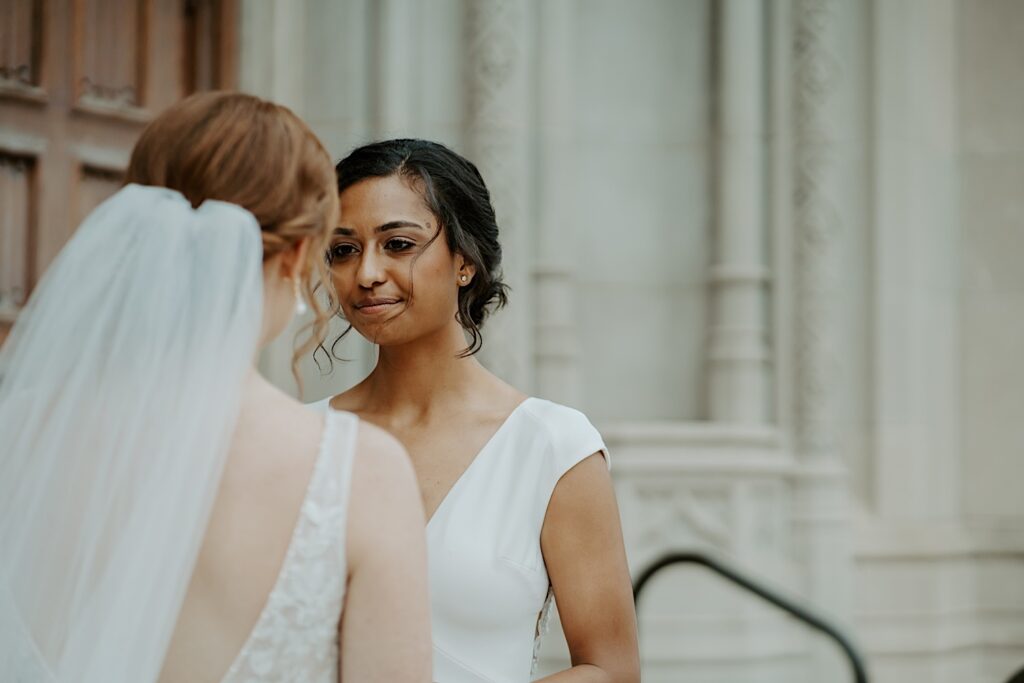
120	387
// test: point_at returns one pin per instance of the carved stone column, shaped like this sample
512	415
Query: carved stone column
395	89
272	55
822	536
917	240
497	137
273	51
817	226
738	358
556	333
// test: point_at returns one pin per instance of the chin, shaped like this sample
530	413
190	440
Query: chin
398	330
384	333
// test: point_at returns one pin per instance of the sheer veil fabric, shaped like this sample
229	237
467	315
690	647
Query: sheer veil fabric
120	387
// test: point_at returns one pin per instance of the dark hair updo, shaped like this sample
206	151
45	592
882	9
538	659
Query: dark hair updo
456	194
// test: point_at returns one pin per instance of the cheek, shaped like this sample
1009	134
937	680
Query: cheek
434	288
339	280
342	281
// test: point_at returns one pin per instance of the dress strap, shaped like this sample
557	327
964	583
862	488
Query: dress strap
332	478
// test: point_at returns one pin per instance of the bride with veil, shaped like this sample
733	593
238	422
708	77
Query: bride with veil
165	513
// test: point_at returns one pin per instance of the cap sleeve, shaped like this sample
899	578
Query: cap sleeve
572	437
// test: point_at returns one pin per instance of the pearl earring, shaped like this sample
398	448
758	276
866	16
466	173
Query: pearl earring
464	278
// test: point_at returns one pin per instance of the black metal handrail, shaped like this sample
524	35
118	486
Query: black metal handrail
738	577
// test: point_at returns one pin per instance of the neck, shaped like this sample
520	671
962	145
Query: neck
424	375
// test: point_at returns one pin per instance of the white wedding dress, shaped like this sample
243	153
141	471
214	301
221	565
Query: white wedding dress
295	639
120	386
490	594
296	636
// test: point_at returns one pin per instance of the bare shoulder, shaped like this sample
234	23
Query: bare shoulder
385	506
380	456
275	426
499	393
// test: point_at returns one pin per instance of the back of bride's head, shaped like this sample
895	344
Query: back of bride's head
247	151
259	155
112	447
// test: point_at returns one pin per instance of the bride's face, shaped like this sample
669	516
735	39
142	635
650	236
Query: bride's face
396	278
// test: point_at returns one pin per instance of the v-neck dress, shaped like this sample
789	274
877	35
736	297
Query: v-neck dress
489	587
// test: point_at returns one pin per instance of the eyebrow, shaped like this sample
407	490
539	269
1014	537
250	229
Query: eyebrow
392	225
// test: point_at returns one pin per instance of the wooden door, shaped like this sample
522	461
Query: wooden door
78	81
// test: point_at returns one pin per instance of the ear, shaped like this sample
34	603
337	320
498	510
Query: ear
465	271
293	261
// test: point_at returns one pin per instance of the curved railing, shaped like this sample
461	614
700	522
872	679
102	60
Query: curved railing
738	577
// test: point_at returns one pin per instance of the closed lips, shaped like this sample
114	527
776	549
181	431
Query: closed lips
374	305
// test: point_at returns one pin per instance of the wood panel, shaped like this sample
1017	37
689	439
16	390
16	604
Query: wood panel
21	47
78	81
17	227
94	185
211	36
110	60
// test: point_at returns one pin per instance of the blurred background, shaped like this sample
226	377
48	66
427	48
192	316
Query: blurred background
772	247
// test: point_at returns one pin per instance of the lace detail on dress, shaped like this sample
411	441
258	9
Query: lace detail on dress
543	626
296	635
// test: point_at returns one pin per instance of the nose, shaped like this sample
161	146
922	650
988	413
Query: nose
371	270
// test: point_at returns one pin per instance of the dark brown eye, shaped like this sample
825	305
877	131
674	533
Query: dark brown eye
399	244
339	252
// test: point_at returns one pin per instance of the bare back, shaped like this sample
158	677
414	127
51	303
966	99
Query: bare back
278	462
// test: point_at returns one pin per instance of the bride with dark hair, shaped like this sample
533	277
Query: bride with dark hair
165	513
517	490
